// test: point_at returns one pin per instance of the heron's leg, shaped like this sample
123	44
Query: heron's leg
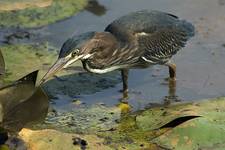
124	74
172	70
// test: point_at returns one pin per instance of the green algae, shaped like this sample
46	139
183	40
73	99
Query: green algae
40	16
94	119
23	59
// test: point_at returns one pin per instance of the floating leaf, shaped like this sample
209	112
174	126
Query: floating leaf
180	126
28	58
178	121
36	13
206	132
23	59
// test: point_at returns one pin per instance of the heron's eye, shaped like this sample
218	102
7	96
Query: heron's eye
75	52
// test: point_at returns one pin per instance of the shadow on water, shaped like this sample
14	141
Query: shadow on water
76	85
104	89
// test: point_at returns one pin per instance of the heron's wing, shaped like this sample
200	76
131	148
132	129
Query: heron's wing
126	27
159	34
160	46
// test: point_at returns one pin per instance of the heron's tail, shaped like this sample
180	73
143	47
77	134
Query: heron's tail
188	28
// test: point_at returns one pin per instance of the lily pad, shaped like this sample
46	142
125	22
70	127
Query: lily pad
207	132
23	59
150	127
36	13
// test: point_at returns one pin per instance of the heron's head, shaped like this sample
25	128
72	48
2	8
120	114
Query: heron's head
80	47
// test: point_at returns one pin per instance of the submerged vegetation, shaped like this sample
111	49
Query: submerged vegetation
39	12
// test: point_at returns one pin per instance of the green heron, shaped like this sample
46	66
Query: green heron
137	40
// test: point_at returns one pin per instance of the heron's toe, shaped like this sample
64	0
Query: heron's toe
170	79
170	99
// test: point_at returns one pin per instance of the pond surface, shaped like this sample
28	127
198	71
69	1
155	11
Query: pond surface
200	65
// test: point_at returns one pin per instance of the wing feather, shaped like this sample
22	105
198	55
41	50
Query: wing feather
160	35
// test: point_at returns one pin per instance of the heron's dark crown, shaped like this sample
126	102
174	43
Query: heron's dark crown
75	42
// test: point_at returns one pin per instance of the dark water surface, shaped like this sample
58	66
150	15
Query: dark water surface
200	65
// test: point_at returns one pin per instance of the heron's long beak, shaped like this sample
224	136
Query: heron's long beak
59	65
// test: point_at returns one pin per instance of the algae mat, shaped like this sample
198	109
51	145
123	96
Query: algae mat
23	4
22	59
36	13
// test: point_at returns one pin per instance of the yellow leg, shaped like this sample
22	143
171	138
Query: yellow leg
172	71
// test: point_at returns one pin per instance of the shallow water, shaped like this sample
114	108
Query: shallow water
200	65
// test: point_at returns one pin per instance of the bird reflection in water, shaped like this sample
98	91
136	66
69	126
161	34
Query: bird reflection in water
171	97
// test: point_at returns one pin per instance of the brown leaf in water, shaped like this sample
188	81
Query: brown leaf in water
30	111
17	92
21	103
2	64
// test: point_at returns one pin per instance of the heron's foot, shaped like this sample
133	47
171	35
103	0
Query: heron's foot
169	79
124	107
169	99
124	91
125	97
